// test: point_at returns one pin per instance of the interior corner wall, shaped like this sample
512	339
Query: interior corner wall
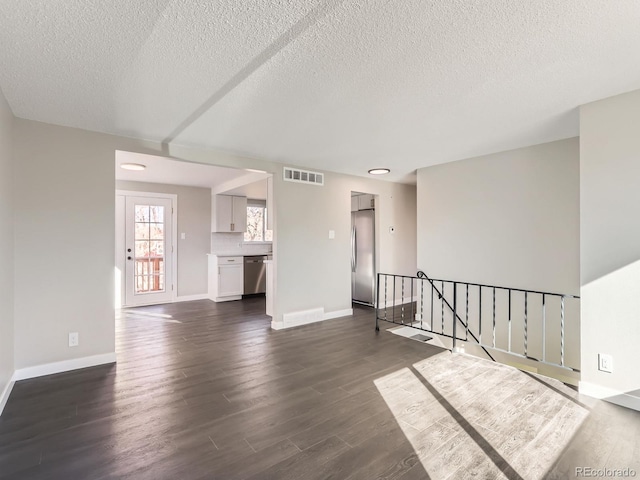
315	271
610	240
508	219
194	219
6	247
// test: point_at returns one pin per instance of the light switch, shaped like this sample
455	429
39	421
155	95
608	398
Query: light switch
332	234
183	236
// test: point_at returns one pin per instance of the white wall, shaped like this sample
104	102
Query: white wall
315	271
509	219
610	238
194	219
6	246
65	183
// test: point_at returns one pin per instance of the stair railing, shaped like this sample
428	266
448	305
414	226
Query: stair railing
401	300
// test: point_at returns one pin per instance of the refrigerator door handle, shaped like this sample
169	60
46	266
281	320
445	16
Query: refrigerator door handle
353	249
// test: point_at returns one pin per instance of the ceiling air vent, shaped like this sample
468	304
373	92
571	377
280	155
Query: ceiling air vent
302	176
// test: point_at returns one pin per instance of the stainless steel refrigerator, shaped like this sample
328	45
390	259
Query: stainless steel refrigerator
363	256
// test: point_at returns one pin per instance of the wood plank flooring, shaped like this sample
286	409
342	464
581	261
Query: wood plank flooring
208	391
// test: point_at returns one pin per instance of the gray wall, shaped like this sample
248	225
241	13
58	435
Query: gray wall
6	244
64	180
610	236
194	219
510	218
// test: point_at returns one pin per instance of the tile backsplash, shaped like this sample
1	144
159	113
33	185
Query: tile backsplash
233	243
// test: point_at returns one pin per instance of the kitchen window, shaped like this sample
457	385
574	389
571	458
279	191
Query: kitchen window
257	222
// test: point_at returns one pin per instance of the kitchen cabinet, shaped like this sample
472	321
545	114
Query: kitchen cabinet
229	213
226	278
365	202
355	203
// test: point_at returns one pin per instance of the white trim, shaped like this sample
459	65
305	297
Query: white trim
174	227
597	391
305	317
225	299
338	313
7	391
610	395
64	366
190	298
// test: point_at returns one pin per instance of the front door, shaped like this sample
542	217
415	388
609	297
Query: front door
148	250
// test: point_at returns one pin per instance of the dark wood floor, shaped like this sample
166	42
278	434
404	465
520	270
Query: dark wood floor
204	390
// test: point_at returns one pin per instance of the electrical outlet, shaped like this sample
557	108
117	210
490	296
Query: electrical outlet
74	339
418	316
605	363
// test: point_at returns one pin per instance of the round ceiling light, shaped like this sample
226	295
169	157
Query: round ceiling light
379	171
133	166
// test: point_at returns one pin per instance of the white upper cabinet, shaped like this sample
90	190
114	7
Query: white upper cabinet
239	214
364	201
229	213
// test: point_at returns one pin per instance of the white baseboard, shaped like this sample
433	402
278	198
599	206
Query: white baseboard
191	298
6	392
610	395
64	366
597	391
338	313
305	317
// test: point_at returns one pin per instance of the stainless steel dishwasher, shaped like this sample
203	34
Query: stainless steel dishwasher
255	274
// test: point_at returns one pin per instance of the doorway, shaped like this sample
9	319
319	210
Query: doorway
145	253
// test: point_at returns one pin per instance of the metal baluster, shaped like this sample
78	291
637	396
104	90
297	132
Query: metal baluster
393	312
494	317
413	313
442	302
525	324
466	335
431	325
377	302
544	326
509	349
562	332
479	314
402	303
386	277
455	312
421	302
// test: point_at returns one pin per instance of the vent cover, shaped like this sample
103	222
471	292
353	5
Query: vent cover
302	176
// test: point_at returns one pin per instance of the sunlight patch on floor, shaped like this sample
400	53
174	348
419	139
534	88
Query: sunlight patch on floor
467	417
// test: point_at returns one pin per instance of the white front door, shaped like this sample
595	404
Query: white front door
148	250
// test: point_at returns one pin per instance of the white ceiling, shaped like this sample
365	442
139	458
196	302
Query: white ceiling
342	85
174	172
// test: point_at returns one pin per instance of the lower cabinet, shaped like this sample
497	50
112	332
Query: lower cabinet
226	278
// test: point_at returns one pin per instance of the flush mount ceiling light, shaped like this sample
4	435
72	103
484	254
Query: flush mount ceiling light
379	171
133	166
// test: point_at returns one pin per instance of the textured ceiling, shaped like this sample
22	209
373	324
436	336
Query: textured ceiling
342	85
